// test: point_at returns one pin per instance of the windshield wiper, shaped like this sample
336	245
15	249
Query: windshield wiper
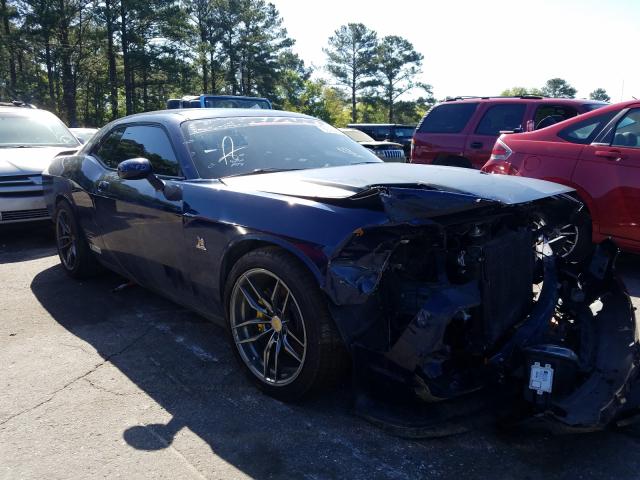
258	171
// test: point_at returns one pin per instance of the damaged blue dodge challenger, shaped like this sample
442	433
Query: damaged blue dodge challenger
438	282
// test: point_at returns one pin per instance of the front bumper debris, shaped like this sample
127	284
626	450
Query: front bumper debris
571	364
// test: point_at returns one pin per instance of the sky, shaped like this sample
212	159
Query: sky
483	47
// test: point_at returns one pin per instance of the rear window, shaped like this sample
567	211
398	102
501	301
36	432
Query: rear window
217	102
445	118
585	131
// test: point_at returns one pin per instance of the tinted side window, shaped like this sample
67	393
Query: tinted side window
501	117
445	118
585	131
143	141
547	115
153	144
627	132
107	151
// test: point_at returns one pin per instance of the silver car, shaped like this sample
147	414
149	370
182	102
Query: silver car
29	140
384	150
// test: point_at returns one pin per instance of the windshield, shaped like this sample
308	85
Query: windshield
236	146
35	129
213	102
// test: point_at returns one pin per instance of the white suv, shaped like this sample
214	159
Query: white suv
29	140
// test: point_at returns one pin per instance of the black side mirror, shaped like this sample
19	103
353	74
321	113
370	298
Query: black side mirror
135	169
140	169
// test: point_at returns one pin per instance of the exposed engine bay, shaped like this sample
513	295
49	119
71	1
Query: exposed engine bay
480	299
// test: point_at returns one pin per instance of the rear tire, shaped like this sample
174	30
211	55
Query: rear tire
74	252
277	316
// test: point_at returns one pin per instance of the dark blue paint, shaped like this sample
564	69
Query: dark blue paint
152	240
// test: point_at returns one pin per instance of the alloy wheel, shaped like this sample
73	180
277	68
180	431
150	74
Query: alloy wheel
268	327
66	241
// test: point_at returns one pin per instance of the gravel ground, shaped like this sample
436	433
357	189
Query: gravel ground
97	384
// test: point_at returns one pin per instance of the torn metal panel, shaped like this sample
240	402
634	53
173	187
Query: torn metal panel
442	300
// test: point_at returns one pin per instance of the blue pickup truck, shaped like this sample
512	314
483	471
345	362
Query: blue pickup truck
218	101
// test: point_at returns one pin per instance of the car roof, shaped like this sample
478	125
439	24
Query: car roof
184	114
381	125
26	111
525	98
555	128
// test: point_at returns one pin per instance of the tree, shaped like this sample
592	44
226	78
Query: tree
398	64
351	59
600	94
520	91
8	43
558	88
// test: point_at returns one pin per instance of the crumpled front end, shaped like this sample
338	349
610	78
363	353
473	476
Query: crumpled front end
471	297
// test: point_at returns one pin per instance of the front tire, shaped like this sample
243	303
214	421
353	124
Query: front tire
279	325
75	256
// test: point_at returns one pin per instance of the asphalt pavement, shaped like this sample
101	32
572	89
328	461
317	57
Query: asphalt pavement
102	384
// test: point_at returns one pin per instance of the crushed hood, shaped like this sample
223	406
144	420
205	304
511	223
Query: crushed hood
347	181
25	161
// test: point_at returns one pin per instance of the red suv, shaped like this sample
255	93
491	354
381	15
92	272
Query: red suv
461	132
598	154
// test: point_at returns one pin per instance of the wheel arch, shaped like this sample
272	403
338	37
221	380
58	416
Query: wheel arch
587	200
253	242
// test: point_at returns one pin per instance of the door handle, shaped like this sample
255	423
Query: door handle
476	145
609	154
103	186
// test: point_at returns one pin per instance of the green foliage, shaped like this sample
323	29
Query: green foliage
91	61
600	94
558	88
351	59
521	91
397	66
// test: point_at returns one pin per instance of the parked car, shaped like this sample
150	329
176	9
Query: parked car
308	248
598	154
218	101
384	150
391	132
29	140
461	132
83	134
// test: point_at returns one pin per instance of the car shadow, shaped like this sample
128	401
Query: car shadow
26	241
184	363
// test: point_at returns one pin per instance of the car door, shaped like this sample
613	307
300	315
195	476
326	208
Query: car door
497	118
141	229
610	171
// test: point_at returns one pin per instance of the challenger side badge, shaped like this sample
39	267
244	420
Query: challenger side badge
200	244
